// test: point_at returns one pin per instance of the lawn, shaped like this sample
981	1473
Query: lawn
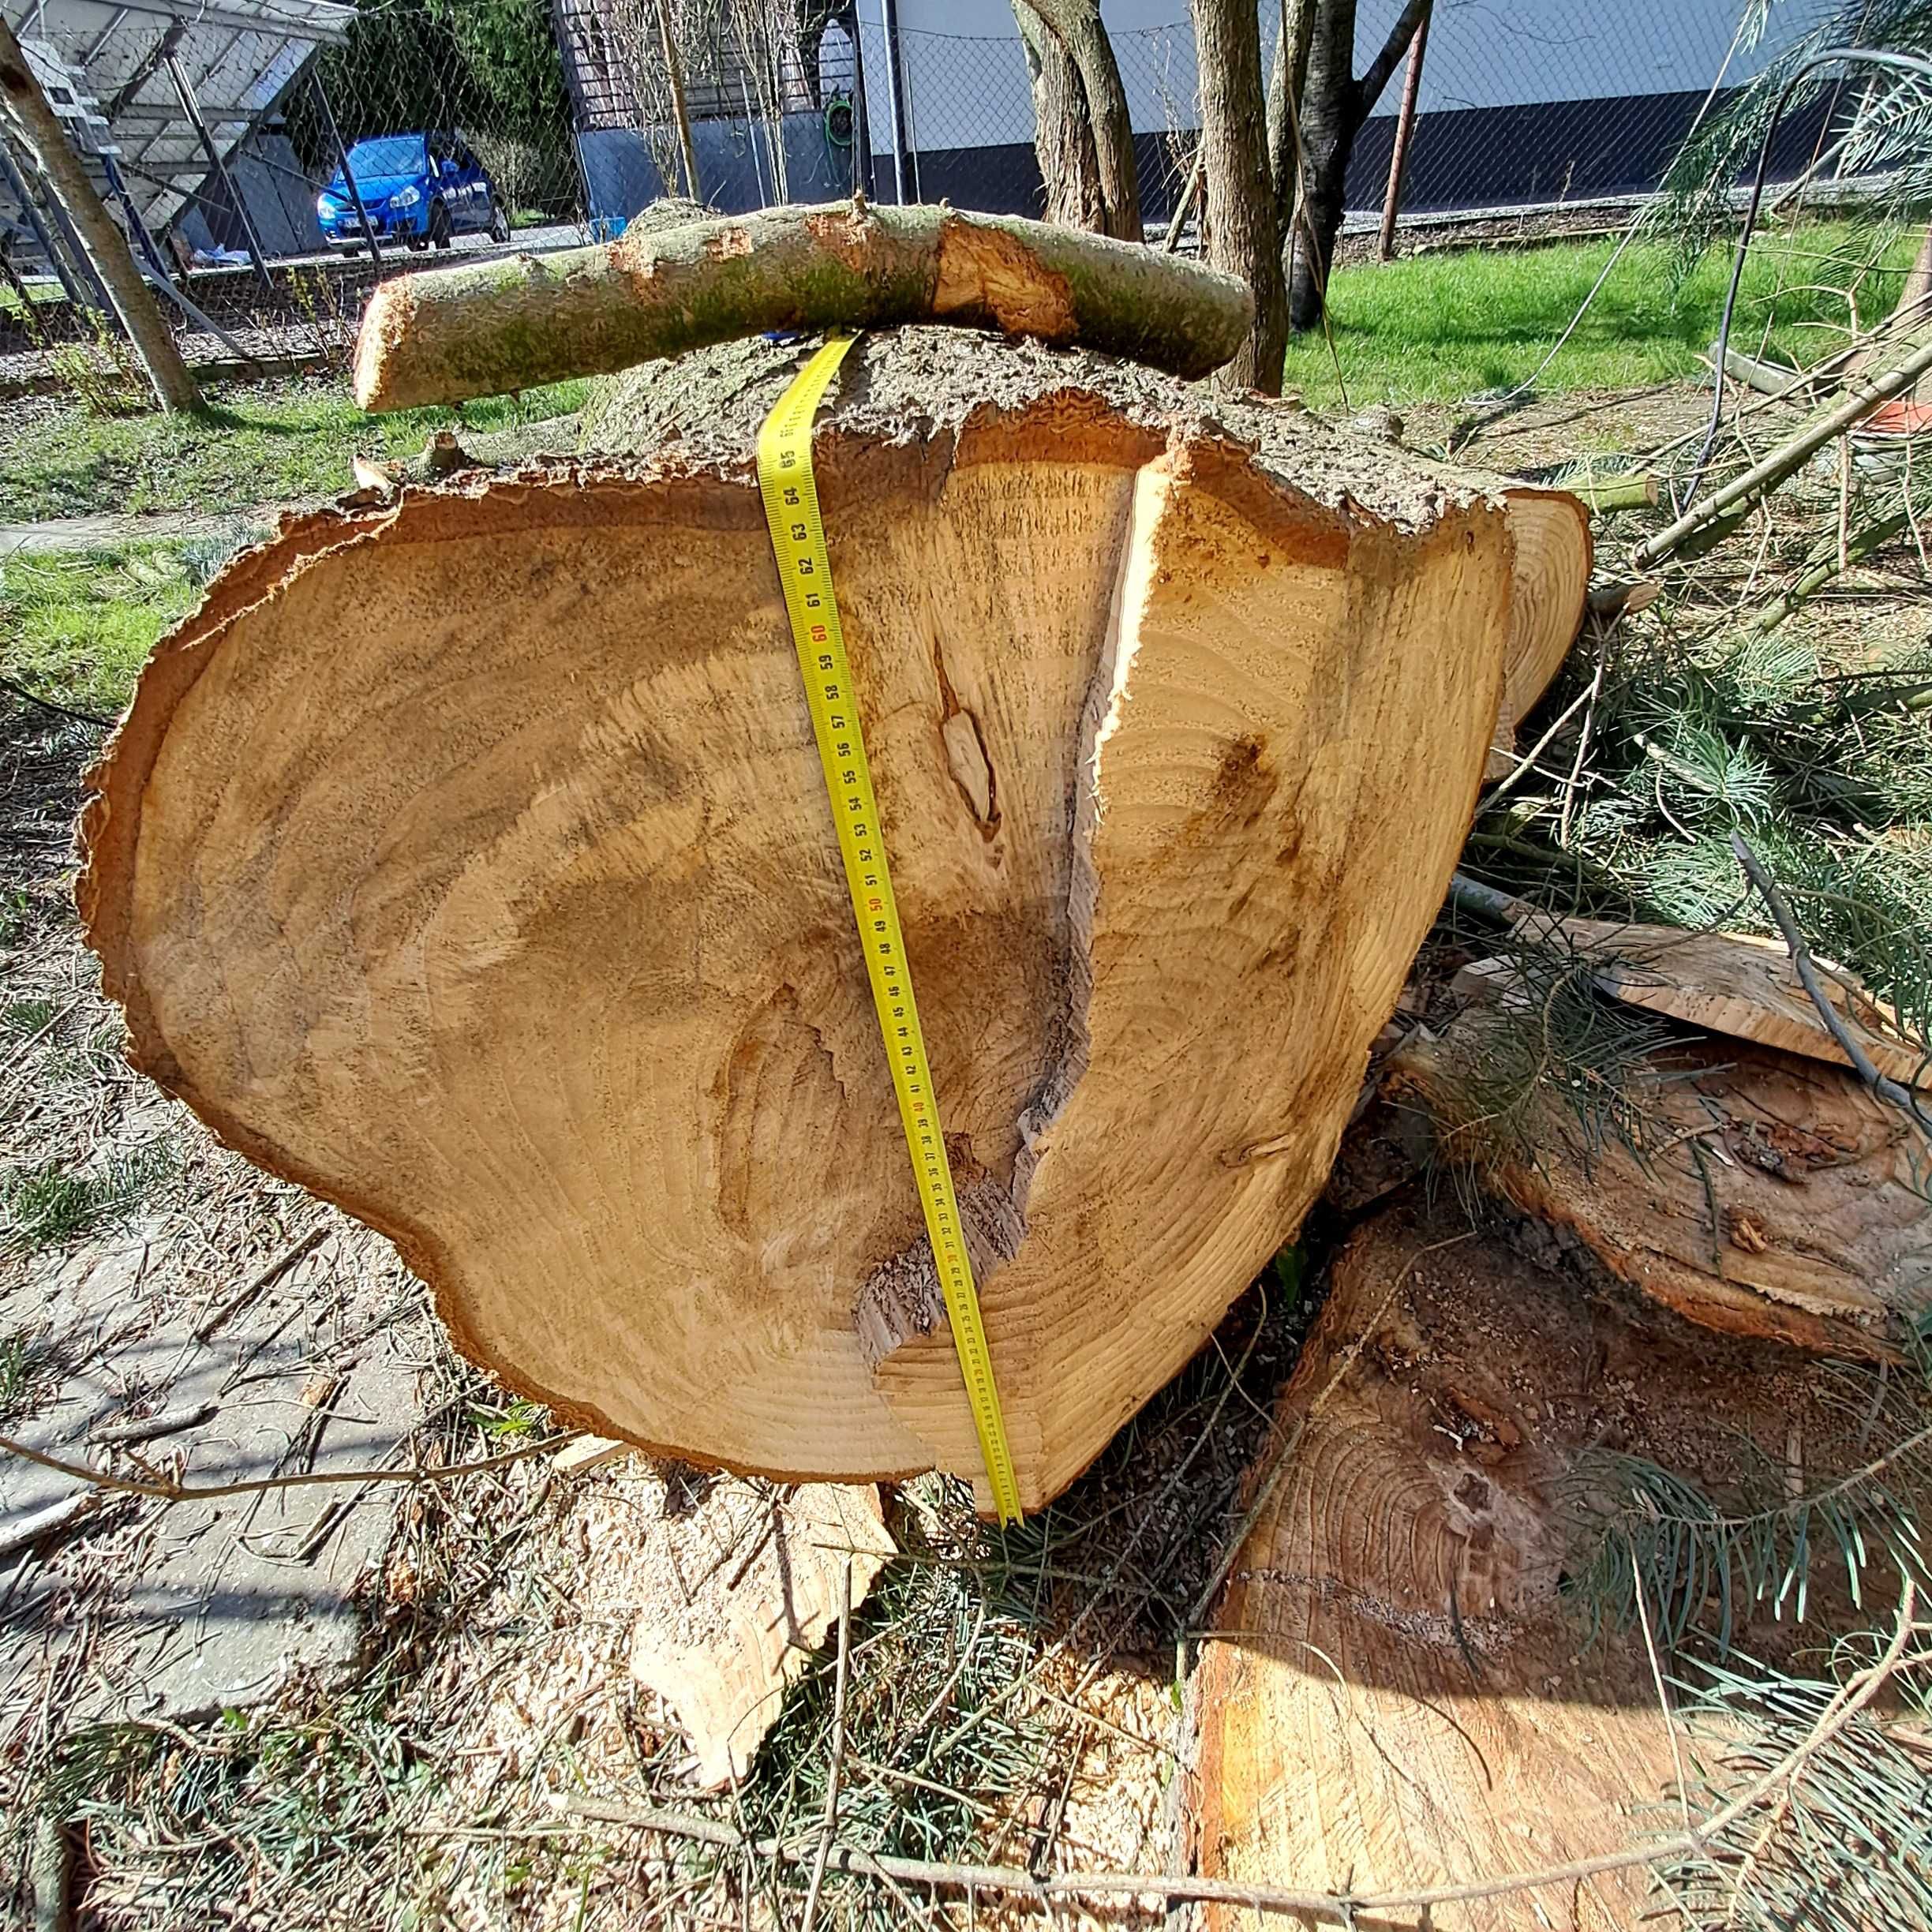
282	442
1450	327
77	627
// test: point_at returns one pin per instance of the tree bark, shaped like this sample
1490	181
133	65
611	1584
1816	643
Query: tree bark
1334	106
1077	25
1243	238
107	247
1063	137
1328	126
468	857
1286	80
504	325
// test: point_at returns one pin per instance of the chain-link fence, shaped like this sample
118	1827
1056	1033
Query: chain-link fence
1536	104
269	158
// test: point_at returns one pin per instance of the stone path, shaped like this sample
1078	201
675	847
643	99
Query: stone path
156	1609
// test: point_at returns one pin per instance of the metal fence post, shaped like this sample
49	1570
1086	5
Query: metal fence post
1405	133
56	259
888	15
191	108
348	179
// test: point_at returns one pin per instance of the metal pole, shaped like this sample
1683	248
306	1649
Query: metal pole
62	274
160	277
136	228
1405	130
862	126
889	16
191	108
348	179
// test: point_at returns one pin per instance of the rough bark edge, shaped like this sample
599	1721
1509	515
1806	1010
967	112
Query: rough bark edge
448	335
926	384
108	831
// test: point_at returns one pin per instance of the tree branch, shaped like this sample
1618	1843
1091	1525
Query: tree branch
1881	1085
1369	89
166	1489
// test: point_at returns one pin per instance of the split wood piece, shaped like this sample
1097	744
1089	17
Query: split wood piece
502	325
468	861
1775	1197
759	1578
1736	984
582	1454
1398	1695
1553	557
19	1533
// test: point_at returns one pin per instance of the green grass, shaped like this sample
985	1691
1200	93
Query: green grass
271	444
42	1204
77	628
1446	328
20	1362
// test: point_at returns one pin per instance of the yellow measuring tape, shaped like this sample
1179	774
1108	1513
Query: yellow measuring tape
791	495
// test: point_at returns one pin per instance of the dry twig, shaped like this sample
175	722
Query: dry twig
1881	1085
1344	1908
166	1489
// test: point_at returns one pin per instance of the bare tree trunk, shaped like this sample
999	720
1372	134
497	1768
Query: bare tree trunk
1243	238
1328	125
108	249
1285	85
1063	136
1078	26
1334	106
674	75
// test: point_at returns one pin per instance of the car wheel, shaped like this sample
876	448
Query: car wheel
440	226
500	224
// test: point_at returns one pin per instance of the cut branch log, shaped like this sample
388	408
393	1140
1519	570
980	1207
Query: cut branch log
1710	517
485	329
468	860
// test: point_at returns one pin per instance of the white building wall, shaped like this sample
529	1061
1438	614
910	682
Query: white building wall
965	75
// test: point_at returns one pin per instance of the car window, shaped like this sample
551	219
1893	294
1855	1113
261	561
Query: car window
387	154
465	158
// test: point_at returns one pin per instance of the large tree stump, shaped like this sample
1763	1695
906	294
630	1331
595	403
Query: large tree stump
1399	1693
468	860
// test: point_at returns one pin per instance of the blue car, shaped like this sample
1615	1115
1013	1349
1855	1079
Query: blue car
421	189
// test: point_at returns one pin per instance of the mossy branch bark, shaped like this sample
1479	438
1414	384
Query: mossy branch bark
451	333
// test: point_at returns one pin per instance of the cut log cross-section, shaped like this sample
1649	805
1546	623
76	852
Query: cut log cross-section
467	858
